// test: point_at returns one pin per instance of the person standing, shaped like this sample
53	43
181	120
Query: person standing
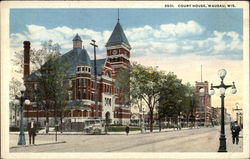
235	132
127	130
32	131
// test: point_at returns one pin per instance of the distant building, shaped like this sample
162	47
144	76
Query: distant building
203	111
81	107
216	115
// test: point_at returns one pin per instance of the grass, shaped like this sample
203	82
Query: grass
122	128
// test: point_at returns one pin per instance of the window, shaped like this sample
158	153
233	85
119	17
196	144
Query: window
79	94
70	95
79	69
70	83
85	113
80	82
107	101
84	94
82	68
84	82
89	69
35	86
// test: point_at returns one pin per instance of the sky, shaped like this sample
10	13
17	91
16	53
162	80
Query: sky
176	40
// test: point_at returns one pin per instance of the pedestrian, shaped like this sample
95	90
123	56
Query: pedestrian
127	130
32	131
235	132
47	127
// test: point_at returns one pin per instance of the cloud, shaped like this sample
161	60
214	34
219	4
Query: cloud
167	39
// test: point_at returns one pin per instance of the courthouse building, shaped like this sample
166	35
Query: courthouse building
81	78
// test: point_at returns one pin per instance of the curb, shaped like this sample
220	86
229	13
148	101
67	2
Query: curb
60	142
109	133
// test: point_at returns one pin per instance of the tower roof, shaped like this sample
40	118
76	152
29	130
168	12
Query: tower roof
118	36
77	37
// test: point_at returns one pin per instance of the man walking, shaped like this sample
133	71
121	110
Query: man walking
235	132
32	131
127	130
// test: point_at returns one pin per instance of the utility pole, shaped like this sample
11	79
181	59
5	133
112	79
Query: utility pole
95	72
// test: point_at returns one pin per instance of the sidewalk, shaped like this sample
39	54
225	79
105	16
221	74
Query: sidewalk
39	140
109	133
45	139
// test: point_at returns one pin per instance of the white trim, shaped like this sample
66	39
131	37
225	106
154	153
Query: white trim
123	45
119	55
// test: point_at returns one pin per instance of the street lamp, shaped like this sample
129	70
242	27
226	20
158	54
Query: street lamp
222	87
22	100
240	115
237	109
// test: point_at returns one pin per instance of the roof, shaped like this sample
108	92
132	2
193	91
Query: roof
77	37
76	57
118	36
99	66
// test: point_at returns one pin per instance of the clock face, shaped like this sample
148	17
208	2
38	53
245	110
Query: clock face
114	52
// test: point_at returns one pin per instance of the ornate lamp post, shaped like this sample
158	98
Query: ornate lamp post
240	115
237	109
222	73
22	100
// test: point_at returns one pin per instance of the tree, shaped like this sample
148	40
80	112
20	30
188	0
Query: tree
52	87
50	91
37	57
170	97
177	98
141	83
191	99
14	90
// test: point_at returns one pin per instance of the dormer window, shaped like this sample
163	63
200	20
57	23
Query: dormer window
114	52
83	69
107	74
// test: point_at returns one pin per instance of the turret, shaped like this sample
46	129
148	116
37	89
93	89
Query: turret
77	42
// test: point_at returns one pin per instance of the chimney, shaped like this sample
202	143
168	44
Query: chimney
26	46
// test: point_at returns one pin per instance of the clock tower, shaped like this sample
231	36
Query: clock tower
118	49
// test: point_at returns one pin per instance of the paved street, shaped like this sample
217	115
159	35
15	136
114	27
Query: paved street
190	140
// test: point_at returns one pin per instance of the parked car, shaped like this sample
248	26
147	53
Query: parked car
95	128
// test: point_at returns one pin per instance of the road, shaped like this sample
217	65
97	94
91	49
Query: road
191	140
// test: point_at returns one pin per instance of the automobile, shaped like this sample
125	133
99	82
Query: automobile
94	127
